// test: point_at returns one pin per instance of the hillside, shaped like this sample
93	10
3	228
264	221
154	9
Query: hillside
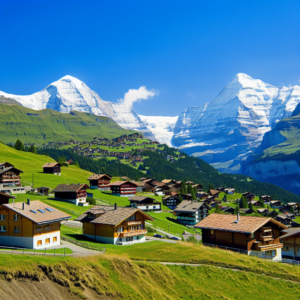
31	126
277	160
188	168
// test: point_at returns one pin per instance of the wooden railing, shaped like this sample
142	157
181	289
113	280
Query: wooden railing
128	223
133	233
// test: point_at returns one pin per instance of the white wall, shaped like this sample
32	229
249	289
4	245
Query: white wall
116	241
43	237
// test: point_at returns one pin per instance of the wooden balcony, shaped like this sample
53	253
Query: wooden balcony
269	247
133	233
265	238
128	223
266	229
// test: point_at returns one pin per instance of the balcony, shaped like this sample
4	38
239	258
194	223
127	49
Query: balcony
128	223
269	247
133	233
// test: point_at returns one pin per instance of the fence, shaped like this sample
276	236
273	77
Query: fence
46	252
290	261
83	244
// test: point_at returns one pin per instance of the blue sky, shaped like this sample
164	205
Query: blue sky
187	50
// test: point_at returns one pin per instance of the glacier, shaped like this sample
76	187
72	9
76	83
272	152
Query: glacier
226	130
69	93
161	127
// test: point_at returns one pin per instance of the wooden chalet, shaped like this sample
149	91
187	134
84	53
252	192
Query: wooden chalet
214	193
73	193
145	203
256	236
227	209
187	197
275	203
169	181
9	175
266	198
249	196
256	203
198	187
34	225
114	224
191	212
4	198
123	188
139	186
229	191
43	190
262	211
100	182
291	243
52	168
171	201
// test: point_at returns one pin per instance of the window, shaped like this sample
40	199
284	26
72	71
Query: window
285	248
47	241
129	239
120	239
16	229
2	217
2	228
16	217
39	228
120	229
47	226
39	243
252	235
55	239
212	232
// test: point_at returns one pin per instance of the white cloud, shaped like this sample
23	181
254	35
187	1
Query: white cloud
190	95
136	95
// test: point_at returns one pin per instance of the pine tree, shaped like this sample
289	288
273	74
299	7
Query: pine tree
243	202
183	188
292	210
262	203
180	197
210	187
32	149
225	198
217	210
237	209
194	197
189	189
251	206
19	145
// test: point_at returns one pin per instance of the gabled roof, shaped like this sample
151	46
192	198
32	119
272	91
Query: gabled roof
275	201
119	183
70	187
110	215
6	195
138	183
9	168
38	217
142	198
188	206
98	176
52	165
228	223
290	232
214	192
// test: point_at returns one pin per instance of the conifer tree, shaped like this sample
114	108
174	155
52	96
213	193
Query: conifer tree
225	198
180	197
183	188
237	209
292	211
19	145
262	203
189	189
251	206
32	149
243	202
217	210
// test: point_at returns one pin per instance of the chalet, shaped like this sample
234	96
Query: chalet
246	210
52	168
198	187
229	191
187	197
171	201
191	212
249	196
100	182
294	205
227	209
189	182
114	225
266	198
9	175
214	193
275	203
284	219
256	203
169	181
202	195
43	190
145	203
256	236
31	225
123	188
139	186
262	210
291	243
4	198
221	189
73	193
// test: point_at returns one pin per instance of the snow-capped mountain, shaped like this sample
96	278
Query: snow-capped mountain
224	131
69	93
161	127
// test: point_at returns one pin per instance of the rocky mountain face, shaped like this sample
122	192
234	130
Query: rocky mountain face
226	130
69	93
277	159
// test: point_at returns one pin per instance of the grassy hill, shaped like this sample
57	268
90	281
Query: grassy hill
31	126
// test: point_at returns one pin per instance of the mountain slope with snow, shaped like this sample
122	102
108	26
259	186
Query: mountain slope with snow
161	127
69	93
224	131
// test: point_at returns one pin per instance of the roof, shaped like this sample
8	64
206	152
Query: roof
138	183
6	195
188	206
9	168
118	183
38	217
292	203
214	192
142	198
290	232
69	187
110	215
262	210
98	176
51	165
274	201
227	223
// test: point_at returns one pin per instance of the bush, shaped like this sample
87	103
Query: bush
91	201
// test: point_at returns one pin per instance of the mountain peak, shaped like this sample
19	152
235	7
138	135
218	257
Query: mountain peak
244	80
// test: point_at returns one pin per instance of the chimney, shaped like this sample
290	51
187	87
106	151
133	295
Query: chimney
238	217
23	205
115	206
28	201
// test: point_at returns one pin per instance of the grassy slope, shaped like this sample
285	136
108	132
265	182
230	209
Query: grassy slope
33	126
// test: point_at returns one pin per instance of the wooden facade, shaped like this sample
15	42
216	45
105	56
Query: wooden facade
9	175
123	188
52	168
100	182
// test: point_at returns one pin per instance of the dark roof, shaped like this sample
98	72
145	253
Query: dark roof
6	195
189	206
142	198
98	176
228	223
119	183
290	232
110	215
38	217
9	168
69	187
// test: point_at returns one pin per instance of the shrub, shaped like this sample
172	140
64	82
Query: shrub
91	201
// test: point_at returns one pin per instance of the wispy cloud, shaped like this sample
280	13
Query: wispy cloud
136	95
190	94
